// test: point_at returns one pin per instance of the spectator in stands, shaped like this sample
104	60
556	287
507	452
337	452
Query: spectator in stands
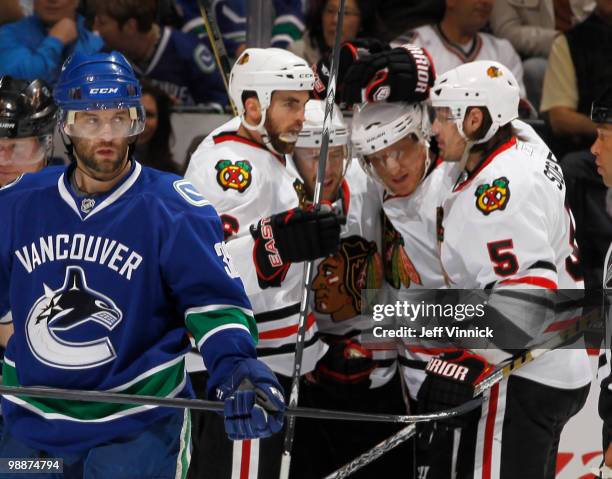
288	25
579	71
10	11
397	16
231	16
360	20
37	45
176	62
153	144
531	27
457	39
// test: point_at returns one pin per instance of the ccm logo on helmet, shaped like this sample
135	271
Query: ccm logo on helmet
97	91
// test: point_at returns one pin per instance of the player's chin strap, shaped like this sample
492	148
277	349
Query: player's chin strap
427	159
469	143
68	145
260	128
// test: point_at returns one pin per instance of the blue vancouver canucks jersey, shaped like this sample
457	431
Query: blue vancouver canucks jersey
184	67
103	291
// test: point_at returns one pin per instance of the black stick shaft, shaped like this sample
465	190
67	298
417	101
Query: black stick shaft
216	406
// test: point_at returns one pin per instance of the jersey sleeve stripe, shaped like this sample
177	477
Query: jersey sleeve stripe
543	265
275	314
204	325
216	307
286	331
532	280
218	329
561	325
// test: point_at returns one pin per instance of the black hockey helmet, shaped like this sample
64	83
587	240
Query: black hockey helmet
601	110
27	108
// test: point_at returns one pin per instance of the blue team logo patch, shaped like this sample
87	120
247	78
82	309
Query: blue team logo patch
204	59
66	309
189	193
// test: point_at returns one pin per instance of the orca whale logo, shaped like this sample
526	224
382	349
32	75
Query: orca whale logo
66	308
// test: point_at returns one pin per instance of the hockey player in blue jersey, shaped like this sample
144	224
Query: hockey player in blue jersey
105	265
27	120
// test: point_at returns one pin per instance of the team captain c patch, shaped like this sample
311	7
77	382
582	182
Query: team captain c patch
492	197
234	176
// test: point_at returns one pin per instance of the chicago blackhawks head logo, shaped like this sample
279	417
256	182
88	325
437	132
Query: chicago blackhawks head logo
234	176
341	278
64	309
492	197
398	267
494	72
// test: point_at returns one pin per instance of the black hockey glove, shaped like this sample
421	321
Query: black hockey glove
404	73
345	369
293	236
350	52
450	381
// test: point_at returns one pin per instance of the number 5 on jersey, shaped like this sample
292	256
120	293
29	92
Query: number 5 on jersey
506	263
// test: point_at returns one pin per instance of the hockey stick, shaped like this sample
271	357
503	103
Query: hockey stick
216	43
500	374
217	406
299	342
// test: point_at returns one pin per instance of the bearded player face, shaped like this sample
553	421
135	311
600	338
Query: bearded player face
285	119
102	153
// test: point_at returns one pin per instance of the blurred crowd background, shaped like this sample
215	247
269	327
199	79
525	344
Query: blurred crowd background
559	50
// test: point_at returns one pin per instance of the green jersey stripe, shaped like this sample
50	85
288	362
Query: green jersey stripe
165	383
204	323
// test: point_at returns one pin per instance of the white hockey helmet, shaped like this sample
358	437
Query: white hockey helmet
377	126
482	83
312	131
265	70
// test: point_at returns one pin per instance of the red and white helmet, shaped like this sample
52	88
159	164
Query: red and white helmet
265	70
484	83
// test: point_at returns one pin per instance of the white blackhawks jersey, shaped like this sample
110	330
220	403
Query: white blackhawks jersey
339	279
447	55
506	226
414	218
246	182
